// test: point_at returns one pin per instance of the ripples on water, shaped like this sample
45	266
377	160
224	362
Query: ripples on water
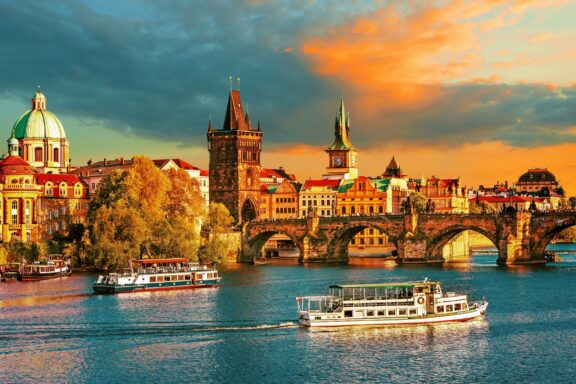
245	331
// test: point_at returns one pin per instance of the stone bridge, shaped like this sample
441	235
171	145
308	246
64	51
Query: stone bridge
520	237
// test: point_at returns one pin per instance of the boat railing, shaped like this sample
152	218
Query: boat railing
318	304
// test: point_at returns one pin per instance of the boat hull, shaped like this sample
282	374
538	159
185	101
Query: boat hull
464	316
128	288
43	276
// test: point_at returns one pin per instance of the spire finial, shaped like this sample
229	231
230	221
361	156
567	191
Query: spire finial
230	82
238	80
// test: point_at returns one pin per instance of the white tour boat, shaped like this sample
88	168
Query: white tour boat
420	302
158	275
51	267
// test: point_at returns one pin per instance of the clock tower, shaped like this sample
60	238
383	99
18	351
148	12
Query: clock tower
342	156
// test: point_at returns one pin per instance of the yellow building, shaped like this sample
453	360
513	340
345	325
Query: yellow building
42	141
278	201
319	195
19	196
445	195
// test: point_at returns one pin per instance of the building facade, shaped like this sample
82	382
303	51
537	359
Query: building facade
278	201
63	202
234	169
445	195
320	196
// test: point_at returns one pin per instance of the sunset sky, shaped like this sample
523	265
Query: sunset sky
480	90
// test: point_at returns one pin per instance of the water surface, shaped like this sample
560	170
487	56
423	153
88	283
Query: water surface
245	330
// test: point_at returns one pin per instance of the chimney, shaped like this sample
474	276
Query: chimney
121	161
105	162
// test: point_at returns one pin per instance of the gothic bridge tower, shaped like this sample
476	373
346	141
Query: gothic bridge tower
342	156
235	161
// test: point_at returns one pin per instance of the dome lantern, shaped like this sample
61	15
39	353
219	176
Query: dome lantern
39	101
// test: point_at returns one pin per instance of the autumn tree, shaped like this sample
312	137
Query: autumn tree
218	244
144	212
482	207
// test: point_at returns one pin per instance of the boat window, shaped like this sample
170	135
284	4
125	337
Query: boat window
440	309
449	308
413	311
457	307
369	313
152	279
402	312
187	277
166	278
381	313
347	313
464	305
391	312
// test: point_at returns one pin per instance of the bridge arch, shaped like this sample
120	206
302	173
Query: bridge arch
441	238
338	244
548	232
256	243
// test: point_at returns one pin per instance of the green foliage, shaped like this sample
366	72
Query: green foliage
218	245
482	207
419	201
29	252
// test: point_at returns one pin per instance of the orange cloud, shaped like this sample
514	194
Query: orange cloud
475	164
407	56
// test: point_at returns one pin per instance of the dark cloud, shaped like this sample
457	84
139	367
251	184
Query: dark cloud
159	69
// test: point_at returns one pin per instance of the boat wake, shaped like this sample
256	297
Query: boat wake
69	331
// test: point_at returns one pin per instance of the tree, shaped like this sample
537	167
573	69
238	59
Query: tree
218	245
418	201
145	213
482	207
184	197
219	218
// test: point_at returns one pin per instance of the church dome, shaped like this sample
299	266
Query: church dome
537	175
39	122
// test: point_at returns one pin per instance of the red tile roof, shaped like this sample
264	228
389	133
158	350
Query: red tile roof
15	165
57	178
321	183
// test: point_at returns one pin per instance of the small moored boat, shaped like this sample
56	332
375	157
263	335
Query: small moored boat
9	276
51	267
421	302
158	275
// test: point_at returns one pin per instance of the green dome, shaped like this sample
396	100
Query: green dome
39	122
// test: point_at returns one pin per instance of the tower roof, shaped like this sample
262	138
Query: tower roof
342	129
235	118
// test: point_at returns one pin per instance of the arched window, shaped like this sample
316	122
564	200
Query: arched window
343	210
380	209
63	190
371	209
14	212
38	154
352	210
48	189
77	190
56	157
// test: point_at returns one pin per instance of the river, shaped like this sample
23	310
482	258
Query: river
245	331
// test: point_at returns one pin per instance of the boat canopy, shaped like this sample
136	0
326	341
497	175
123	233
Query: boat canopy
161	261
384	285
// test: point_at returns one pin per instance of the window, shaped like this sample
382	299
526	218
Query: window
391	312
347	313
14	212
38	154
63	189
440	309
77	190
457	307
56	157
27	213
449	308
48	189
402	312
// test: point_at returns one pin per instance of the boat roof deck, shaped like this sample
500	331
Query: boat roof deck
410	284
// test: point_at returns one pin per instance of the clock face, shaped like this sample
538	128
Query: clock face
337	161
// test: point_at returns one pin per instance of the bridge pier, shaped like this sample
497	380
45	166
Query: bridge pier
413	251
